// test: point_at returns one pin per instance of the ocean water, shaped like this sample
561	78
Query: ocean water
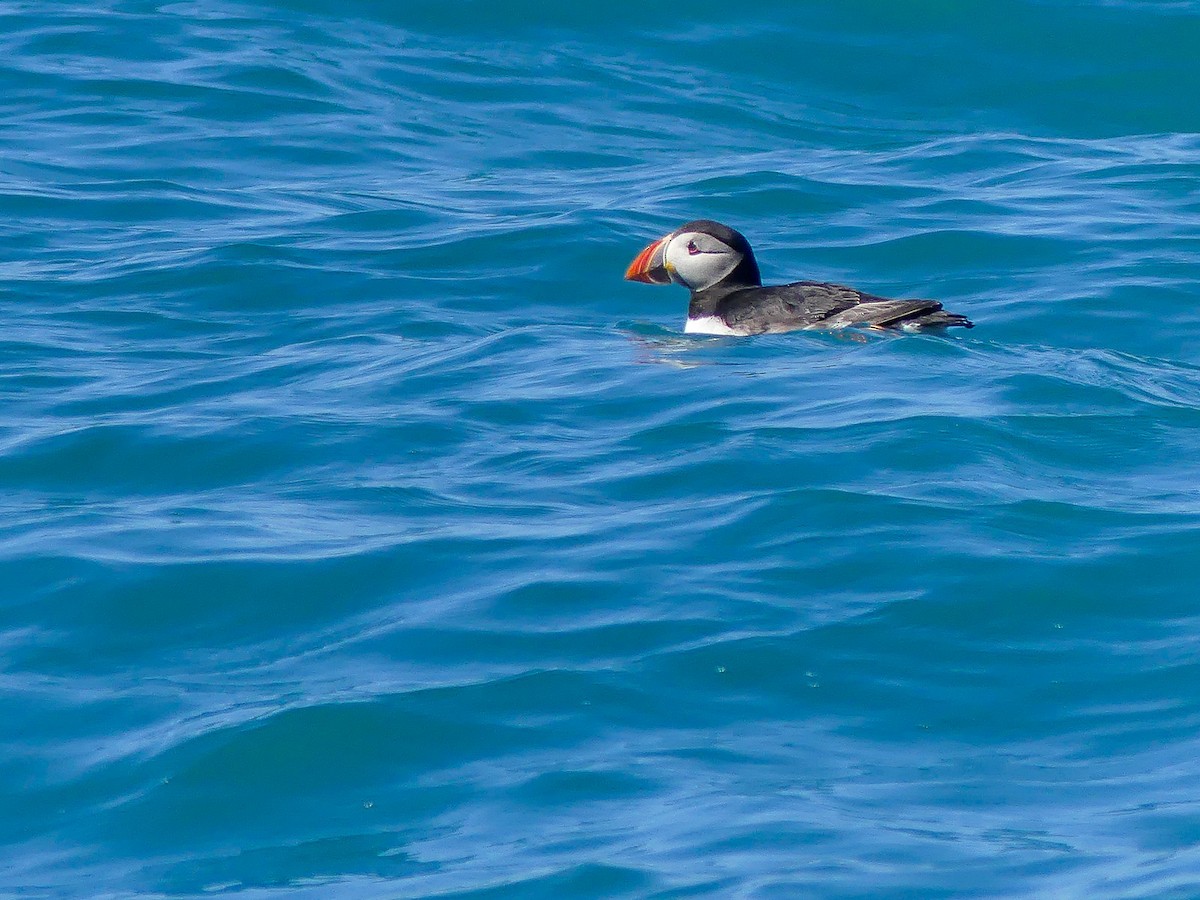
366	535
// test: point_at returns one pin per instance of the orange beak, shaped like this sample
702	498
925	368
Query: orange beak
648	266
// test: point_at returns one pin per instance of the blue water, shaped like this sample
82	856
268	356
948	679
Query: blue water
365	535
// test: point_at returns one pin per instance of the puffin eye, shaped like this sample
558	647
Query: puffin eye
692	248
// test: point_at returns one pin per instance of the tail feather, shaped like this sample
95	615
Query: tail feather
909	314
939	319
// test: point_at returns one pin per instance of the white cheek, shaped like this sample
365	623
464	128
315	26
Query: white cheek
677	258
696	270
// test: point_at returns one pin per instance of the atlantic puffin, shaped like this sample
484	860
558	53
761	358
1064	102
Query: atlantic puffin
716	264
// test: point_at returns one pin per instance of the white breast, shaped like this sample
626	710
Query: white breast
707	325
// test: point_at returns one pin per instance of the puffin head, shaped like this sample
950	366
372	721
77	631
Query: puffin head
698	255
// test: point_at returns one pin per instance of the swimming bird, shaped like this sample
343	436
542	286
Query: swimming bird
716	264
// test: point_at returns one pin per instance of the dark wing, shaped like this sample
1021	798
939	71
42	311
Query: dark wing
886	314
808	304
787	307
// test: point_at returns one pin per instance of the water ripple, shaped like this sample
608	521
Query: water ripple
365	534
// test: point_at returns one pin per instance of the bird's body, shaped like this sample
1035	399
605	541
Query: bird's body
728	297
